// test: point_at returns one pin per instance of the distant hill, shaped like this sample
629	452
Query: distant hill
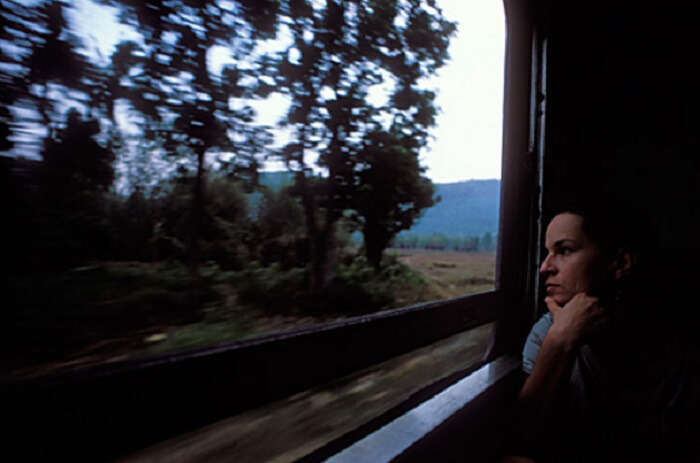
468	208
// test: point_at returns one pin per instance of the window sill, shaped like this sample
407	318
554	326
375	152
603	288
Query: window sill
322	421
402	438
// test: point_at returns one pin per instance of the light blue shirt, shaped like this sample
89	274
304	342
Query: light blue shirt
534	341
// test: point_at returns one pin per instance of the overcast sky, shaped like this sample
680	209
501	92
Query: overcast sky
468	137
467	142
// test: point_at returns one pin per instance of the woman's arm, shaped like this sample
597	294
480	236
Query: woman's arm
572	324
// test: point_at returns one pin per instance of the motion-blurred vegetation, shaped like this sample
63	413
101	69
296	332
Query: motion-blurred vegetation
135	215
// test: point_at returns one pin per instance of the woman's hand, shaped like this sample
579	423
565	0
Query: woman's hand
576	320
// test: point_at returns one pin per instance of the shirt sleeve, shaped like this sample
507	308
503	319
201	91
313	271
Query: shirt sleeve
534	341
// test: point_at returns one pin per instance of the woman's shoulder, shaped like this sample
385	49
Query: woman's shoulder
534	341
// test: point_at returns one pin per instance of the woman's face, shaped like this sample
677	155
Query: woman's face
574	264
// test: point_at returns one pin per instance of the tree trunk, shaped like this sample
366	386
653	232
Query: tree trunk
195	226
375	243
330	253
321	239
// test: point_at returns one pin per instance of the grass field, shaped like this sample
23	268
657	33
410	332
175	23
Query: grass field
451	274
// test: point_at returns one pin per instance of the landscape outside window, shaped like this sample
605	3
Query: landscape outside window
179	174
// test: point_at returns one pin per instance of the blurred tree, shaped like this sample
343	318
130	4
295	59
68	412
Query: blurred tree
55	62
171	201
74	161
226	224
131	224
281	224
339	51
183	101
43	71
390	191
28	110
75	174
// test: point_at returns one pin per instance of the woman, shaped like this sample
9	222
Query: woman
605	382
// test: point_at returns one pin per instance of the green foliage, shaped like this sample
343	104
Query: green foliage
280	213
191	110
355	289
360	289
168	81
391	192
272	289
156	226
225	223
280	221
205	333
74	162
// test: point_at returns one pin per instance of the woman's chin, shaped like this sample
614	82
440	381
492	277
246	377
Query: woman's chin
562	299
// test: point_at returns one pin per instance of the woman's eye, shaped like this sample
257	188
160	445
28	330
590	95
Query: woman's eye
565	251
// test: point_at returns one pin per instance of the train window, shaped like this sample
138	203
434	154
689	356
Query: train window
247	192
160	208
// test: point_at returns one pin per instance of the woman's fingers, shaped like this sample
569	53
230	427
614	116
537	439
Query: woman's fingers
552	305
577	319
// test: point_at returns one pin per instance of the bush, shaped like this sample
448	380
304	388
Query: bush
55	315
356	288
271	288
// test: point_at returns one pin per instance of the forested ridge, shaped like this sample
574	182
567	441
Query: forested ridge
465	208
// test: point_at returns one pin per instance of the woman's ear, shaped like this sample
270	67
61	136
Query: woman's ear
623	263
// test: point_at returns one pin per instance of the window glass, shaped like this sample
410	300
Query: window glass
178	176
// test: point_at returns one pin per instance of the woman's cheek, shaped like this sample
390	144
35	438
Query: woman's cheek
582	285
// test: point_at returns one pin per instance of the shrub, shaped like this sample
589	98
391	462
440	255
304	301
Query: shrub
271	288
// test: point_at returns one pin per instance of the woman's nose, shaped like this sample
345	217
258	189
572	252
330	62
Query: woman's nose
547	266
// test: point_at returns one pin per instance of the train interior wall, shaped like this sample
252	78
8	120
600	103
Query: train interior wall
622	125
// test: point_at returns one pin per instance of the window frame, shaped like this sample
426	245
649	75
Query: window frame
119	408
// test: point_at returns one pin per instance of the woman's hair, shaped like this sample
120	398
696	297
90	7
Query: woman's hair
611	225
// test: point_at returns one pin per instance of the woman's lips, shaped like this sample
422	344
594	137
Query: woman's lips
550	288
